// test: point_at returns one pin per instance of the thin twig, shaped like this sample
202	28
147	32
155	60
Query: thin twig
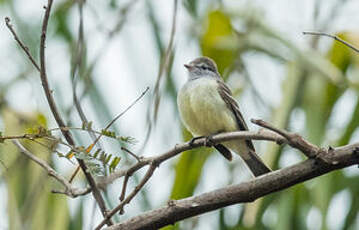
294	140
131	195
124	187
76	192
131	153
334	37
128	108
23	47
122	113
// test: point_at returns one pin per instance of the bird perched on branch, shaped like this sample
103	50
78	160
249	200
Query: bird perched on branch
207	107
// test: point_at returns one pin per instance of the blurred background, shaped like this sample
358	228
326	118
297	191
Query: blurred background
108	52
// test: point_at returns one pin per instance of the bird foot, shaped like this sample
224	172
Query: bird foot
208	141
191	142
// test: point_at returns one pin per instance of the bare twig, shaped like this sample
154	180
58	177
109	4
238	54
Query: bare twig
124	187
131	153
334	37
294	140
128	108
128	199
122	113
23	47
76	192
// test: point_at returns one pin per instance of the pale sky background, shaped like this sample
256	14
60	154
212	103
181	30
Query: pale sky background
131	56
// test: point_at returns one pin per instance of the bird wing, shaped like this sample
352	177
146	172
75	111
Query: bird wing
231	103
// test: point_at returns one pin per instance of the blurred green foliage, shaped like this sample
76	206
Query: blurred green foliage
312	84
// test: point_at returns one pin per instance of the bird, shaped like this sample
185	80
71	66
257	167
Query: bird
206	107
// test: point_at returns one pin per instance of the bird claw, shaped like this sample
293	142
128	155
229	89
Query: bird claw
209	142
191	142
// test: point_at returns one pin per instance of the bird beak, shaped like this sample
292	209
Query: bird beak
188	66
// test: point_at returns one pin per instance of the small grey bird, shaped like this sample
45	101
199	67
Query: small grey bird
207	107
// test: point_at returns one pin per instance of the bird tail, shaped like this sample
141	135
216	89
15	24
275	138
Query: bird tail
248	154
224	151
255	163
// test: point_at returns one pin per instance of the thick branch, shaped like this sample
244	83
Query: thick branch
242	193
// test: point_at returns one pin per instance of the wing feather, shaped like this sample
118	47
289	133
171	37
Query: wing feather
231	103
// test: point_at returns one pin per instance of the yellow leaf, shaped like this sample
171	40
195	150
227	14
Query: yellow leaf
88	149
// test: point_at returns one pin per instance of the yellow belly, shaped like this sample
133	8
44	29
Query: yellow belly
202	109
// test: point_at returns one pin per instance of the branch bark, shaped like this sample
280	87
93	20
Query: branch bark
245	192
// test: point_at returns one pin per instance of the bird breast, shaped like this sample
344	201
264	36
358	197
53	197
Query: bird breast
202	109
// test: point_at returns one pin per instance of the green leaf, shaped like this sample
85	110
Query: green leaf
351	127
191	7
60	16
114	163
216	38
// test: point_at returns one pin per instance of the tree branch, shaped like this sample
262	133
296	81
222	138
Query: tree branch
23	47
95	191
245	192
294	140
51	102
